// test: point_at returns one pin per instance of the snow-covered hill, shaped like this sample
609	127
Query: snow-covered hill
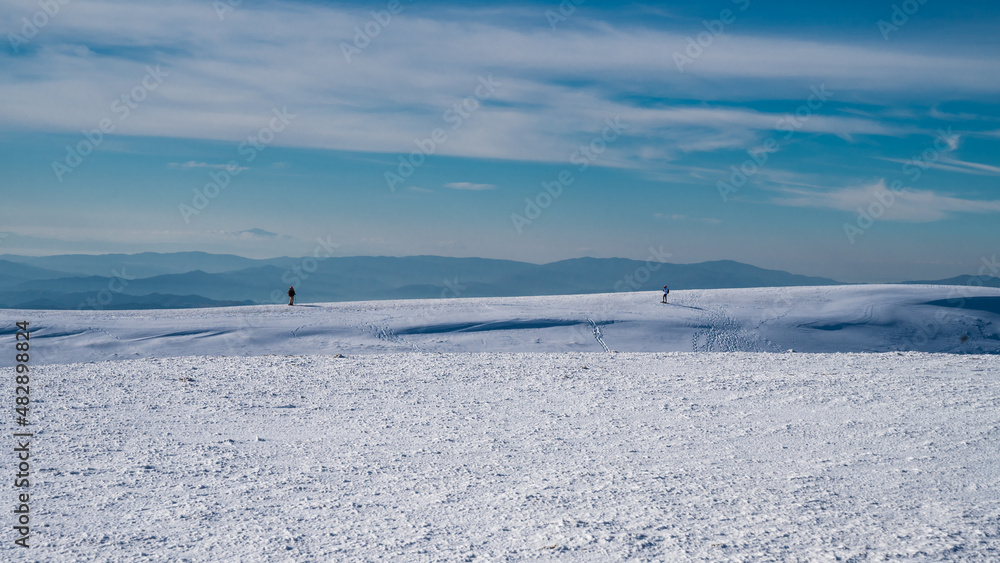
423	431
865	318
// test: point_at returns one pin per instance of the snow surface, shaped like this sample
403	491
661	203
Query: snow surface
436	438
574	457
863	318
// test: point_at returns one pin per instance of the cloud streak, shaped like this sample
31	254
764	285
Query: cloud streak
909	205
468	186
192	164
951	165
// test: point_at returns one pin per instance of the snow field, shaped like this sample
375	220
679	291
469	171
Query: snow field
497	457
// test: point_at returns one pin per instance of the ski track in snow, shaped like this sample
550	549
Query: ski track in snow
564	457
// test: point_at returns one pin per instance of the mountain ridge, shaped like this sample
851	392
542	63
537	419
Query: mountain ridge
203	279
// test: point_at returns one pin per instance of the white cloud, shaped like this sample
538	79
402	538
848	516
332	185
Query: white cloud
226	76
469	186
908	205
950	165
972	167
961	116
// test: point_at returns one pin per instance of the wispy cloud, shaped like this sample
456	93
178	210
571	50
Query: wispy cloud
101	238
248	236
676	217
908	205
256	233
971	167
224	80
469	186
192	164
951	165
960	116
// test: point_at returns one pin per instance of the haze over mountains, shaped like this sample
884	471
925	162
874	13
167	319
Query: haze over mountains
197	279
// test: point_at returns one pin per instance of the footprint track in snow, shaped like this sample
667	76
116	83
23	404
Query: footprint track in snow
599	335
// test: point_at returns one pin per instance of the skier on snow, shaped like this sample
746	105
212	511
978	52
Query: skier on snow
666	291
291	295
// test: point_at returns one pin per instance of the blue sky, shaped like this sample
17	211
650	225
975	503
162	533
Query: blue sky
867	132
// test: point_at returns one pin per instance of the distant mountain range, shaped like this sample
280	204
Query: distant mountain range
974	281
197	279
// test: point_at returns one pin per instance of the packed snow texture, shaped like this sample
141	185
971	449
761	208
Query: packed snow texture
861	318
565	457
423	431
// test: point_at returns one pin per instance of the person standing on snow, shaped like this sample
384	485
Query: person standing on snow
291	295
666	291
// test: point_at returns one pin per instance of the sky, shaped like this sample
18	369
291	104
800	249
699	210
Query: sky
855	140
